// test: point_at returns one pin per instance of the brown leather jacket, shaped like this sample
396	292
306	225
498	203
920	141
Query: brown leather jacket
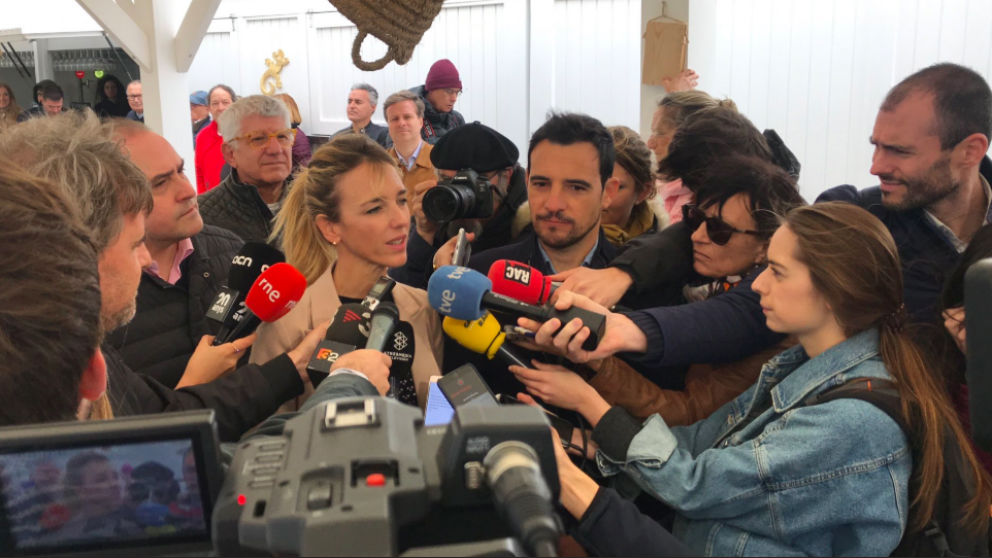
707	387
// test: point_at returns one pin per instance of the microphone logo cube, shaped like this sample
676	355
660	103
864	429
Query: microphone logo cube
400	341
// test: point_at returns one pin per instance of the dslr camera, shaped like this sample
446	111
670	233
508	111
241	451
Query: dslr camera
463	196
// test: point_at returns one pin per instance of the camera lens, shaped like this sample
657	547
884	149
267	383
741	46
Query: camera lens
447	202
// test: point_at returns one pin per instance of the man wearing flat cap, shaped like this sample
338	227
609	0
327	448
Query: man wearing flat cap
494	158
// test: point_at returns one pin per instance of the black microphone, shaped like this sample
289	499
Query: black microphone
343	336
384	320
228	306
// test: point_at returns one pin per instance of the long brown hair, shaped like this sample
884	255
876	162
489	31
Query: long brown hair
853	262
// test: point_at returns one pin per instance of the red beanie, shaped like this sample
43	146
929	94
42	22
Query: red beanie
442	75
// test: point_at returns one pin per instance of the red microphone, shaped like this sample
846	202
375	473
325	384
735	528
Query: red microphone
520	281
274	293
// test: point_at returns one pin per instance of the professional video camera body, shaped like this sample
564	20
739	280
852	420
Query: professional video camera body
463	196
363	476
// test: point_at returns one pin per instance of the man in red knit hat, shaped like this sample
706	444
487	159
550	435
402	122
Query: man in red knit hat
440	92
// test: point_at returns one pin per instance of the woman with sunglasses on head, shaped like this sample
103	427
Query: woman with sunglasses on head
344	223
779	471
740	202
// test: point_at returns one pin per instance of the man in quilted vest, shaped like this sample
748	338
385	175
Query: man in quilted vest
258	143
190	262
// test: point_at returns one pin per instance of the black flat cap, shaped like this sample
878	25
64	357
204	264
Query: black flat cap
474	146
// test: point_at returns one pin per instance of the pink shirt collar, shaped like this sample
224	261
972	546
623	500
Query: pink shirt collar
183	251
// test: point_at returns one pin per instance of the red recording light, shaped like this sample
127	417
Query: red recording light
242	500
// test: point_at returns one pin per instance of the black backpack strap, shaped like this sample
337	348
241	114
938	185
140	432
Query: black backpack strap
879	392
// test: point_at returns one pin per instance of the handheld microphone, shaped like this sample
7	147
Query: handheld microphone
343	336
384	320
484	336
274	293
520	281
465	294
228	307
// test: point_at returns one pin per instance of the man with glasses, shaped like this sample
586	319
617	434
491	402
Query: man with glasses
494	157
134	101
440	92
258	141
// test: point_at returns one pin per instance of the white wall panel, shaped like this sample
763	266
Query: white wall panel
817	71
517	59
596	60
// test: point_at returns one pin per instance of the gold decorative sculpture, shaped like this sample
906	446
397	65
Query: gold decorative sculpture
271	81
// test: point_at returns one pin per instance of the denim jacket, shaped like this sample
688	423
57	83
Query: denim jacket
827	479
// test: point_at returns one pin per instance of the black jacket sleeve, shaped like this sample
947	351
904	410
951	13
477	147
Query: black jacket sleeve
613	526
724	328
240	399
661	258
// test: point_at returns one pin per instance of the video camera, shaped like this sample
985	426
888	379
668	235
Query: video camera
364	476
463	196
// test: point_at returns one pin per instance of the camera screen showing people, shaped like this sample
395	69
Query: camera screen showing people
95	497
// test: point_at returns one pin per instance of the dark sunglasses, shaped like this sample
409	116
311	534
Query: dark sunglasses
717	229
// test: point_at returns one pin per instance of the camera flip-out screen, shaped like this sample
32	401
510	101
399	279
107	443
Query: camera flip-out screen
142	484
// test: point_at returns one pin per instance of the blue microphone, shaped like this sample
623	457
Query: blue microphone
466	294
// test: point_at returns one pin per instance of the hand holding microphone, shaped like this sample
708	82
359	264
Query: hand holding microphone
463	293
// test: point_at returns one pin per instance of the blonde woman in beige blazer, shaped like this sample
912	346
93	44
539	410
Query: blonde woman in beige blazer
344	222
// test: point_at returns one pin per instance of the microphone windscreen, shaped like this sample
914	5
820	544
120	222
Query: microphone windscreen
276	292
483	336
251	260
401	348
519	280
978	321
457	292
349	325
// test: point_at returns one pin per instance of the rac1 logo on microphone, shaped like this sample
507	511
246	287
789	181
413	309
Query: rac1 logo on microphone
518	274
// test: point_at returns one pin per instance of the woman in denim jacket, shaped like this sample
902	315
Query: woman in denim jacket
768	474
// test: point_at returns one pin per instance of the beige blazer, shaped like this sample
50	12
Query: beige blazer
320	302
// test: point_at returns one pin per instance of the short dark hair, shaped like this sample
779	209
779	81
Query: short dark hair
50	305
962	100
771	191
566	128
52	92
38	87
706	137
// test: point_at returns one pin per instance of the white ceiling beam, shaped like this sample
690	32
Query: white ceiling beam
122	27
192	30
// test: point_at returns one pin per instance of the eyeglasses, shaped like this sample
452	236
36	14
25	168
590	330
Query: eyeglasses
452	91
258	140
133	97
717	229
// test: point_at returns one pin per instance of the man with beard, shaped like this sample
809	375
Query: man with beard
189	263
569	179
570	165
930	138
